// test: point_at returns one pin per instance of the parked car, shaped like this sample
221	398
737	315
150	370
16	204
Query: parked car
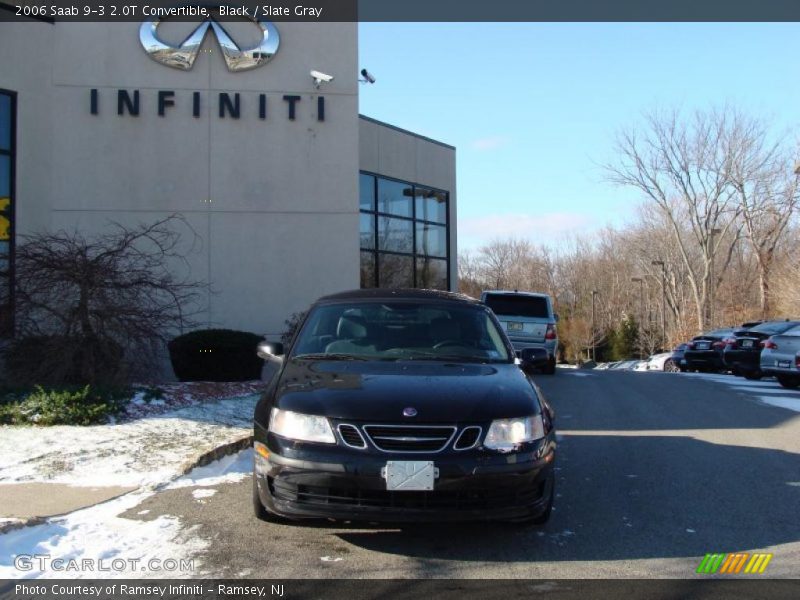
781	357
661	362
402	405
528	320
704	352
641	365
678	358
742	351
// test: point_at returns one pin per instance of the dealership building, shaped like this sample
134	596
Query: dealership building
289	193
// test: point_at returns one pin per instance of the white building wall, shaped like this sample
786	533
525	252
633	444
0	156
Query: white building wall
387	150
273	203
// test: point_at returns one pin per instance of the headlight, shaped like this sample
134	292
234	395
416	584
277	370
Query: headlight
297	426
505	434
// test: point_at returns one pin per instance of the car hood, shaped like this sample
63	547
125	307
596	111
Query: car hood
379	391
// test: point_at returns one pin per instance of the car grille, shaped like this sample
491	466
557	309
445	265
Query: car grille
410	438
351	436
478	499
468	438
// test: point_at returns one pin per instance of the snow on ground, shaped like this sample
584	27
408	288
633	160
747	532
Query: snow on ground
767	391
117	547
143	452
228	469
124	547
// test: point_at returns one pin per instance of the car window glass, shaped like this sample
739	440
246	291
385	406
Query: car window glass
518	305
403	331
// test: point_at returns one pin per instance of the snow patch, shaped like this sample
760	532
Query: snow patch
99	533
228	469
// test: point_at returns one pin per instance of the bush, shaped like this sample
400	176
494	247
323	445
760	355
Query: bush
64	360
216	355
64	406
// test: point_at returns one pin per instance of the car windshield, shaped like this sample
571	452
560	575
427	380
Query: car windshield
401	331
518	305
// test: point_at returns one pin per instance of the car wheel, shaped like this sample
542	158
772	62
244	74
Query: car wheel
550	369
790	383
262	514
753	375
545	516
670	366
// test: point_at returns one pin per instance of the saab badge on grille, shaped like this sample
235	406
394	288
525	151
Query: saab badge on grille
410	411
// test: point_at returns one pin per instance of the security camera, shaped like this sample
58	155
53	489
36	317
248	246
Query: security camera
368	77
320	78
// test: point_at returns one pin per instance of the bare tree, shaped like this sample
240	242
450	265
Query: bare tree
683	166
762	174
117	290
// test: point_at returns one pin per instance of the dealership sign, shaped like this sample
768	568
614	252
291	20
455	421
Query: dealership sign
183	56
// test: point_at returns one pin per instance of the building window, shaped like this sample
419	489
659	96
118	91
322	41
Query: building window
7	143
405	231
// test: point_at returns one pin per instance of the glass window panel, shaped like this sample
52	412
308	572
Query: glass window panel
431	205
4	266
366	192
395	271
3	248
367	269
431	240
5	122
368	231
432	273
395	235
5	176
394	197
5	228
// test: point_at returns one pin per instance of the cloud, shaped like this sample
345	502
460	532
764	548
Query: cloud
544	228
489	143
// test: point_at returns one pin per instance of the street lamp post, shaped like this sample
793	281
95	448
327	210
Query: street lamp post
660	263
594	294
712	289
640	281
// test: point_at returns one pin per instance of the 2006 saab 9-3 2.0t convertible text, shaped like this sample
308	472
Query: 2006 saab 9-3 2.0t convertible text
404	405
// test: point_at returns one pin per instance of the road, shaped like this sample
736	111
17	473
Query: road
654	471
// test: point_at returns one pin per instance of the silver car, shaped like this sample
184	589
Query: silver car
781	357
528	320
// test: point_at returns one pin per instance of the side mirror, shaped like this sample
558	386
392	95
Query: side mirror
269	350
555	316
533	358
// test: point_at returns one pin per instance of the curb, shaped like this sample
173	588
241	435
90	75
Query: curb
214	454
200	460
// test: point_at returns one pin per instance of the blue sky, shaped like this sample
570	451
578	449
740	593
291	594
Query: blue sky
532	107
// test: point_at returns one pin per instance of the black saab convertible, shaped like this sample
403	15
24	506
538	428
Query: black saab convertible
403	405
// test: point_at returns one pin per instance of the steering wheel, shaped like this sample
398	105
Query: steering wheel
446	343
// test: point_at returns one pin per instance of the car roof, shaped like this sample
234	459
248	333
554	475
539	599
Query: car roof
378	294
517	293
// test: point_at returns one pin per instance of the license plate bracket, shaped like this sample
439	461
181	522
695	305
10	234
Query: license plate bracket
409	475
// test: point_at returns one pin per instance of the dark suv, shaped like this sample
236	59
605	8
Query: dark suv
742	352
403	405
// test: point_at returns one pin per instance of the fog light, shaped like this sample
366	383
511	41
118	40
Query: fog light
261	450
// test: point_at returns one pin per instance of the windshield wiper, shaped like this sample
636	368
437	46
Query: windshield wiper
330	356
447	357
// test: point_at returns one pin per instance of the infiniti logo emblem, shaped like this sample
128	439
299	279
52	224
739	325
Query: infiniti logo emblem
410	412
183	56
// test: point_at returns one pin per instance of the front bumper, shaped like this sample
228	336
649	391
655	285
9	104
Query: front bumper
306	481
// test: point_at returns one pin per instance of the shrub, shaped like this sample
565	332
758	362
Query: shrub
216	355
63	406
64	360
